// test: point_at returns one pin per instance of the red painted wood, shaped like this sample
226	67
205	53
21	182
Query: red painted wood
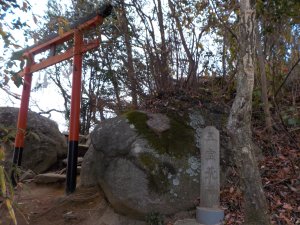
61	57
76	87
22	119
97	20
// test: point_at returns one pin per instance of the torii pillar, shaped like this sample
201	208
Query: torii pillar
76	52
75	114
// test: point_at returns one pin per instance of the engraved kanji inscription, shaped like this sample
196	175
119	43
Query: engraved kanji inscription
210	175
210	154
210	136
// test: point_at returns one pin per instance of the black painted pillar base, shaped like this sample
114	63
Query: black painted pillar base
17	157
17	160
72	167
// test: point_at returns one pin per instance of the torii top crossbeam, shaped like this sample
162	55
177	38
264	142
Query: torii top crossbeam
76	33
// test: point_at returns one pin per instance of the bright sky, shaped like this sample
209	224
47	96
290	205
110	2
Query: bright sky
45	98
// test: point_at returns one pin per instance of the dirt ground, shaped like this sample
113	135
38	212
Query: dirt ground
48	205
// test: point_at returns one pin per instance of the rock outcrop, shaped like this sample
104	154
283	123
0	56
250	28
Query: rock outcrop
150	162
44	146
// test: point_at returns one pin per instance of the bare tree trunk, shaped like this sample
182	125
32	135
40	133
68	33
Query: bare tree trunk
239	122
164	70
224	57
192	71
264	86
130	67
224	51
117	93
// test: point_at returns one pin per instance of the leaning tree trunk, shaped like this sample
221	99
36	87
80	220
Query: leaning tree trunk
239	123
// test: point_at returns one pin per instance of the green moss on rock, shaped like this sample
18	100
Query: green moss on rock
148	160
157	172
178	141
158	181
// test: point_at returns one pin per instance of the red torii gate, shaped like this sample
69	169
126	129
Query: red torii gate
76	52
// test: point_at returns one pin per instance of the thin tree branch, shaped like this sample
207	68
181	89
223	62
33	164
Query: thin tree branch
50	110
286	77
10	93
223	23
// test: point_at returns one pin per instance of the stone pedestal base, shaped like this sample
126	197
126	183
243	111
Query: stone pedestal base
209	216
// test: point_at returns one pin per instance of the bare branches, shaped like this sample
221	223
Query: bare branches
10	93
286	77
50	110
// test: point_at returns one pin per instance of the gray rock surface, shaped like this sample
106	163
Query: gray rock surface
44	144
139	170
115	142
27	175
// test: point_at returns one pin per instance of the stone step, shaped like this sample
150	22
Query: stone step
79	161
27	175
82	149
47	178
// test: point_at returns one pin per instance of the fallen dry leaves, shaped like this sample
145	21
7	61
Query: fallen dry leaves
280	168
280	171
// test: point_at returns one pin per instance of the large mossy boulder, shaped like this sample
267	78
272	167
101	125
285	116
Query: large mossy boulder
44	145
147	162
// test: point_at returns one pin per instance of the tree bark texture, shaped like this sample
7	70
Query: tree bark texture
264	85
239	122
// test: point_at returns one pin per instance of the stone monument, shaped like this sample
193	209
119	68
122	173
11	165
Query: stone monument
209	212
